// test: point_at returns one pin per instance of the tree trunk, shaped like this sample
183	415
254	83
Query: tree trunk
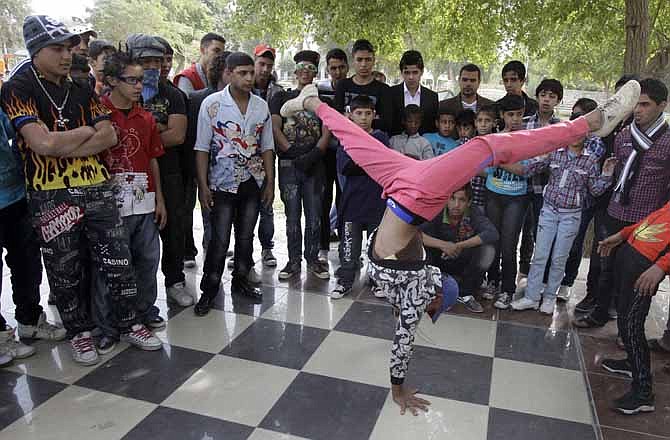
637	36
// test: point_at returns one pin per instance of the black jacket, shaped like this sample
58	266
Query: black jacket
429	103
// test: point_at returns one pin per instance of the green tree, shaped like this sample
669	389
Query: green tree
12	13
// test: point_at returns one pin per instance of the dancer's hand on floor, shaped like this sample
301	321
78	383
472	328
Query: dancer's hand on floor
407	400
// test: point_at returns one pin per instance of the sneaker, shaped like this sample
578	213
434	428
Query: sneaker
141	337
521	287
618	107
378	292
563	294
588	321
204	305
525	303
105	345
231	263
190	263
268	258
176	293
323	255
503	300
586	305
618	366
471	304
155	323
634	403
612	312
319	270
293	106
42	330
340	292
11	346
254	276
548	306
289	271
490	291
83	349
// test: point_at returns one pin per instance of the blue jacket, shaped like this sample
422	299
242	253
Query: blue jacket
12	183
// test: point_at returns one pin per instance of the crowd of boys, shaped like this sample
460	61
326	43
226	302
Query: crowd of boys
102	158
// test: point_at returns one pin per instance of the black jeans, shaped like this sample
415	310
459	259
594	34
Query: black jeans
24	261
172	235
606	287
351	240
240	210
632	311
507	215
330	162
530	232
301	191
65	219
190	198
469	268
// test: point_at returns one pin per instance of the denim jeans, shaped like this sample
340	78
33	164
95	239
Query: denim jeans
560	228
529	232
351	239
172	235
24	262
575	257
469	268
299	190
507	215
65	219
241	210
145	249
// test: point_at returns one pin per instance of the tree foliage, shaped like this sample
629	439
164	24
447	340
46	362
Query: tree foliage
12	13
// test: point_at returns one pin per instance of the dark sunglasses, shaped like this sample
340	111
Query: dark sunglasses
132	80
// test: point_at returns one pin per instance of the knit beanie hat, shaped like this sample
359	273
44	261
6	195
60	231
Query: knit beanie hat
40	31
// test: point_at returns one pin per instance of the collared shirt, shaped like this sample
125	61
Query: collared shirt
650	188
12	184
234	141
25	102
415	146
129	160
570	177
537	182
409	99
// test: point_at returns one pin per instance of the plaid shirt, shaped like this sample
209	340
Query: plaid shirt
537	182
650	188
570	177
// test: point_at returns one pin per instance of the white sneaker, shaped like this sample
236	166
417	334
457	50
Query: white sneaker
254	276
142	338
177	293
548	306
618	107
323	255
83	349
293	106
503	300
521	287
378	292
525	304
42	330
564	293
11	346
340	292
190	263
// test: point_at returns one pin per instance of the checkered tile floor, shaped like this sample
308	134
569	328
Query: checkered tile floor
300	366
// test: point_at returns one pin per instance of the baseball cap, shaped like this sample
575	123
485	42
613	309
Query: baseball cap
143	46
263	49
307	55
40	31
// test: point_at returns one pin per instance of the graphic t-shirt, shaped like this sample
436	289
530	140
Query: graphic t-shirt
169	101
503	182
380	94
302	130
234	141
129	160
440	143
25	102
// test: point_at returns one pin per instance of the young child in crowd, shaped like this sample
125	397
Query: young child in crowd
574	172
506	203
465	126
134	169
361	204
461	242
410	142
443	141
484	124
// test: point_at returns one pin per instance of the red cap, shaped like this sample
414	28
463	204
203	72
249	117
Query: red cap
262	49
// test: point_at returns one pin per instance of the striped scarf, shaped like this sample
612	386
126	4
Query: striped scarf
642	141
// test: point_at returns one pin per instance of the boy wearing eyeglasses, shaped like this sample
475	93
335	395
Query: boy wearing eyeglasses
135	174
